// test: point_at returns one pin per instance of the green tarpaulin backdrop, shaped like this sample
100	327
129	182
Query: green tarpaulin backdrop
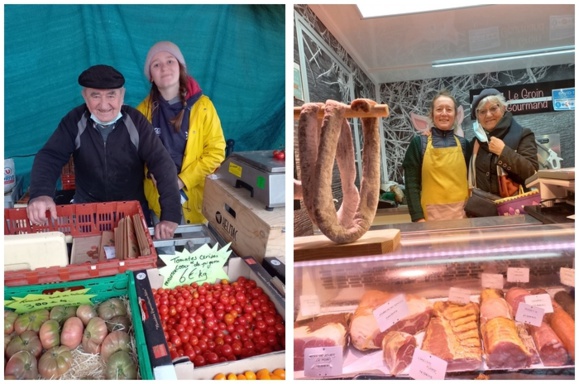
236	53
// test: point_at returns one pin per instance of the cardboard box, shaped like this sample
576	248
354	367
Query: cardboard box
85	249
243	221
236	267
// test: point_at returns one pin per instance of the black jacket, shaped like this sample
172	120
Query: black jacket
111	170
520	162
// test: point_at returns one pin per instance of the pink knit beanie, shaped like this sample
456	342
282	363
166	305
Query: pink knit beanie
163	46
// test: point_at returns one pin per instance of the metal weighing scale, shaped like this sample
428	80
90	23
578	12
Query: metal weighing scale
258	172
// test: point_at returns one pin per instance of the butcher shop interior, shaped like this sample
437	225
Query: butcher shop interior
434	185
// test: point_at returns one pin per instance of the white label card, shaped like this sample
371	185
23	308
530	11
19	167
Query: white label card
425	366
458	295
391	312
529	315
568	276
518	275
492	280
309	305
109	252
323	361
542	301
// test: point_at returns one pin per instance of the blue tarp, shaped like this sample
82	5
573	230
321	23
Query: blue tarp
236	53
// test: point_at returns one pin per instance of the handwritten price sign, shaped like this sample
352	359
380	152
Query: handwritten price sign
32	302
205	264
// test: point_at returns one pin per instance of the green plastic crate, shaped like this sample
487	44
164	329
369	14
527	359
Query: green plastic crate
104	288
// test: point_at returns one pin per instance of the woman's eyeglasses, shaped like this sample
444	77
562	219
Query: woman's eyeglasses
492	110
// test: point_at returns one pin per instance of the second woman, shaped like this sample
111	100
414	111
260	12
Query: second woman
188	125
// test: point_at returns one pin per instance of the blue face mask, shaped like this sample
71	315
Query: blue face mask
96	120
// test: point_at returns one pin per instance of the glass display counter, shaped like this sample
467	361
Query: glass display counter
433	264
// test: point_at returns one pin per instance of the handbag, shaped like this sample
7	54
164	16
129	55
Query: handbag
481	204
507	187
515	205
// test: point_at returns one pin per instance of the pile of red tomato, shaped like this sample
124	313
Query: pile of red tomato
225	321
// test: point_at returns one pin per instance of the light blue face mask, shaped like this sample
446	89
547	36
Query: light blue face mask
479	132
96	120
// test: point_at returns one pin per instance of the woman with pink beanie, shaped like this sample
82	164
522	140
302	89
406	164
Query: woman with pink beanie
188	125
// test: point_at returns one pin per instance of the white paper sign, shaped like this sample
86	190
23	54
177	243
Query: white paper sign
492	280
110	252
458	295
542	301
518	275
529	315
323	361
391	312
568	276
309	305
425	366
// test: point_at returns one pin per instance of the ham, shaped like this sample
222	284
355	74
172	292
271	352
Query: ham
550	347
528	342
514	297
321	331
453	335
503	347
365	332
397	351
494	307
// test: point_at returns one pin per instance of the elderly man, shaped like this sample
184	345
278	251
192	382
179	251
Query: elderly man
111	144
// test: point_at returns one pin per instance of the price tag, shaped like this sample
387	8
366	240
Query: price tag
32	302
425	366
568	276
309	305
391	312
205	264
492	280
518	275
542	301
109	252
458	295
529	315
323	361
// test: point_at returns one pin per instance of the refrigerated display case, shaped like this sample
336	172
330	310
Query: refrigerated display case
435	264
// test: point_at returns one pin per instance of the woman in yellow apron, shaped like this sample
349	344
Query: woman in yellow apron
435	166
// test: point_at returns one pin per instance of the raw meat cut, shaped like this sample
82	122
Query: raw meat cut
494	307
453	335
364	328
503	348
321	331
397	350
549	345
514	297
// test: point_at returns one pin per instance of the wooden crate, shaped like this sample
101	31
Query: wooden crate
243	221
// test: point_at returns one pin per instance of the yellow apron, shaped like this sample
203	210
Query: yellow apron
444	182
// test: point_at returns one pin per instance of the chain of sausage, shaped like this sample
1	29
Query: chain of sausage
318	143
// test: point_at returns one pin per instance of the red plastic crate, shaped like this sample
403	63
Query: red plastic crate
78	220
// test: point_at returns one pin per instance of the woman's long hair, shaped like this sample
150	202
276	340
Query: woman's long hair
155	96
